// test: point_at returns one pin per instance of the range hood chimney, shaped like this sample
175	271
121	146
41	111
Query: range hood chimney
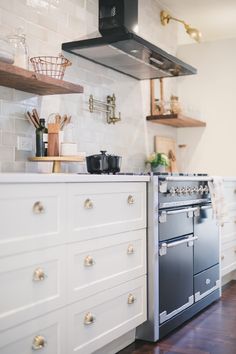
121	49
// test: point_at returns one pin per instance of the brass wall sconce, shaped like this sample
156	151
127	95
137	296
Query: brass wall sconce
108	107
192	32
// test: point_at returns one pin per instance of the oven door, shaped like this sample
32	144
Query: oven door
206	250
176	222
175	276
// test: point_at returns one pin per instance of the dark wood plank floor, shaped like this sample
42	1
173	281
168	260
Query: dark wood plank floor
213	331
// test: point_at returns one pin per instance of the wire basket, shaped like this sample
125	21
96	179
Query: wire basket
50	66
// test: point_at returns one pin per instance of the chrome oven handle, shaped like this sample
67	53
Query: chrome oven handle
165	246
186	210
204	207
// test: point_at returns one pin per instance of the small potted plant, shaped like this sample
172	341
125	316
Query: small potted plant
158	161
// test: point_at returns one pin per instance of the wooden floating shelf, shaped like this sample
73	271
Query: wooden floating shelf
176	120
29	81
57	160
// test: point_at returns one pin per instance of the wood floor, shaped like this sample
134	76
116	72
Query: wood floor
213	331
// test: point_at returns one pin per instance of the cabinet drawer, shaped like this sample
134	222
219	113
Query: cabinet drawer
98	320
95	266
100	209
48	331
206	282
228	258
31	285
32	216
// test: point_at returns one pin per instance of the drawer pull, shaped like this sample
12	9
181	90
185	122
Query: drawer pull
222	257
131	299
130	199
208	281
39	342
89	319
89	261
130	249
39	275
38	208
88	204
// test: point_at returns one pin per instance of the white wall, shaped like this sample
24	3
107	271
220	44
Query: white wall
210	96
48	23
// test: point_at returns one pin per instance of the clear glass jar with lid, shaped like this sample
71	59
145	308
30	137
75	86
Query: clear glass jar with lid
21	55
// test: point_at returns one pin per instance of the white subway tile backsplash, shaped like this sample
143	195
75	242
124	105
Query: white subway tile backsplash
7	153
47	24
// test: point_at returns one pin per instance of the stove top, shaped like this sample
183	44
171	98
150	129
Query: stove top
180	174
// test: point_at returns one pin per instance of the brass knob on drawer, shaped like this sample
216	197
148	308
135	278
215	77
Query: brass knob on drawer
38	208
130	199
39	342
88	204
89	261
39	274
89	318
131	299
130	249
222	257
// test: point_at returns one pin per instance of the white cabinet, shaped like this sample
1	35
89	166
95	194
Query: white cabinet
100	209
228	230
32	217
72	265
46	335
102	318
31	284
95	266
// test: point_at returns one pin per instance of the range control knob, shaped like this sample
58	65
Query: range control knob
201	189
188	190
192	190
178	191
206	189
172	191
184	190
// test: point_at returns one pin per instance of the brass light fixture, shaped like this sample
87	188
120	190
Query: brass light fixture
192	32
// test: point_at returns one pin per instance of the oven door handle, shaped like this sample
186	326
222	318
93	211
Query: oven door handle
204	207
164	246
186	210
190	213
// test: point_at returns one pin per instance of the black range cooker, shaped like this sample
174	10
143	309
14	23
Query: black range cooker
183	252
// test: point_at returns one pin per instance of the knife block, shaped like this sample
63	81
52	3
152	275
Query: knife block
53	139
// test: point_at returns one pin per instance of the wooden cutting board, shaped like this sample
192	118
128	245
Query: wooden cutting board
167	146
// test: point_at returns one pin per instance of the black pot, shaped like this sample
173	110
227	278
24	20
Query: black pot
103	163
97	163
114	163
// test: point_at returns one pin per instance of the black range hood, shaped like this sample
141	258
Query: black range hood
122	50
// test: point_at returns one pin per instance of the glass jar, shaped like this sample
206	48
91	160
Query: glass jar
21	57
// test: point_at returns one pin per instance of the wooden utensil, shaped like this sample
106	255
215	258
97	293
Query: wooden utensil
53	139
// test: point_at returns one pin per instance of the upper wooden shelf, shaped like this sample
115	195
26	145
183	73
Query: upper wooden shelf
29	81
176	120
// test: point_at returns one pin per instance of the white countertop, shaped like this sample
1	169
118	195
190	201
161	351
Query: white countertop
66	178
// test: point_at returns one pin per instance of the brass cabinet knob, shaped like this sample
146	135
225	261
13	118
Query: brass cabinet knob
222	257
89	261
130	199
38	208
131	299
89	318
88	204
130	249
39	274
39	342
